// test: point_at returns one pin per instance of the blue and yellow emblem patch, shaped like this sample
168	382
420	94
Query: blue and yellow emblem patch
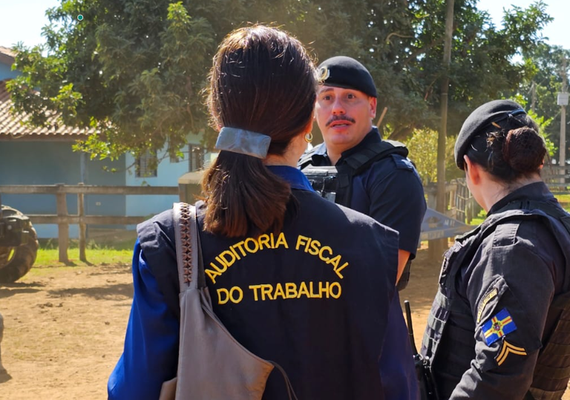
498	326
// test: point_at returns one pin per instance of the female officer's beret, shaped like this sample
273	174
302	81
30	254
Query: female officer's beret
481	118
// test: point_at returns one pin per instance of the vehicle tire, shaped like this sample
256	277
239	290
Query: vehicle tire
15	262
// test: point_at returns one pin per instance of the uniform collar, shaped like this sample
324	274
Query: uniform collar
293	176
532	191
371	137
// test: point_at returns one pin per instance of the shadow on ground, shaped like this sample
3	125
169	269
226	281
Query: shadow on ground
111	291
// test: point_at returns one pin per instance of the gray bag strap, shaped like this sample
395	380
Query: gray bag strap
191	275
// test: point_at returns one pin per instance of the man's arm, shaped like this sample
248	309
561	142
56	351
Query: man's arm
403	257
396	199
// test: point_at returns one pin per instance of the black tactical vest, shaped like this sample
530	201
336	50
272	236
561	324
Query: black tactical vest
335	182
450	324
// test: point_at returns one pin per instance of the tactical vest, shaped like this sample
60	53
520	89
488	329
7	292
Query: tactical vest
335	182
451	324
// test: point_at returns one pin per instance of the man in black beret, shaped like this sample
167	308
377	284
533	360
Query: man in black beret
374	175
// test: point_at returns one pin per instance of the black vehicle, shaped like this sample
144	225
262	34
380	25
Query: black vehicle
18	244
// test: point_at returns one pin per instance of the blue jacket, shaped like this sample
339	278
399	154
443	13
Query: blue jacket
319	299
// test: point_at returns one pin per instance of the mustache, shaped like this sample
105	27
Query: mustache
339	118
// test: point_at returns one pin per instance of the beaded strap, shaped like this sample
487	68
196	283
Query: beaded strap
186	244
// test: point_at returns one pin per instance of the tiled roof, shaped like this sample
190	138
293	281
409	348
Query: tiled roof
12	126
6	55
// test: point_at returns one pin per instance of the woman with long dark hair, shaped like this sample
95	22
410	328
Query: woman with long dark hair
498	325
293	277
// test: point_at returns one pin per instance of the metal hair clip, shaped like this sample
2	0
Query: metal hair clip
242	141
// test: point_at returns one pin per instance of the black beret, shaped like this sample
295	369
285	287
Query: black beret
479	120
346	72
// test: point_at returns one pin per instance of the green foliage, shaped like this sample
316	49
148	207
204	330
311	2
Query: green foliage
135	70
540	89
423	152
543	124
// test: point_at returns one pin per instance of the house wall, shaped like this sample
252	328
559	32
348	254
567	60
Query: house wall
168	174
6	72
49	163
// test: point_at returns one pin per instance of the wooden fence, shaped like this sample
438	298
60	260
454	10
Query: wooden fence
557	178
462	206
63	219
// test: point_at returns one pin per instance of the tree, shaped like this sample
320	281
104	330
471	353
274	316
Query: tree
422	145
133	70
136	70
539	92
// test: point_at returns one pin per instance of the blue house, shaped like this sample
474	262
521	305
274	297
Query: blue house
42	156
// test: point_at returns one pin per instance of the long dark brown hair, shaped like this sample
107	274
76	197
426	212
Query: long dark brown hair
262	80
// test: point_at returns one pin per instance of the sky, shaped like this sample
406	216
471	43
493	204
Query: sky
557	31
22	20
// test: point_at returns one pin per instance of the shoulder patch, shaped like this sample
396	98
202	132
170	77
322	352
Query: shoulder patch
498	326
507	349
488	297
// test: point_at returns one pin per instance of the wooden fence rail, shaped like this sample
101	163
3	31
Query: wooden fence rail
557	178
63	219
458	198
462	206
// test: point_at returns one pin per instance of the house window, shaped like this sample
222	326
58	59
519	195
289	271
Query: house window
146	165
195	158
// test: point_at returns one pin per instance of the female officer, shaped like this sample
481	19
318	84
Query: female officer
494	331
285	268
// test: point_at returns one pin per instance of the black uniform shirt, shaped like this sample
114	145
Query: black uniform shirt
508	285
390	191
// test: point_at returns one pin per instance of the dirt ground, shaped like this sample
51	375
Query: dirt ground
64	327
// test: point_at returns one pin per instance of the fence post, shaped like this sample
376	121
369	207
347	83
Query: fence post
82	225
62	229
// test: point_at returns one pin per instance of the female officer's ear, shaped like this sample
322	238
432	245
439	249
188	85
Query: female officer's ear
472	170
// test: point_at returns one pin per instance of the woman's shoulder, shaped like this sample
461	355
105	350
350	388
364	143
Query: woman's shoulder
162	222
325	213
527	231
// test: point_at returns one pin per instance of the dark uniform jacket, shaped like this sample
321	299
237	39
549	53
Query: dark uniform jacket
315	298
489	319
390	191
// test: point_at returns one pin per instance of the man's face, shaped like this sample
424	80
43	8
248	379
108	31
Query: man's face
344	116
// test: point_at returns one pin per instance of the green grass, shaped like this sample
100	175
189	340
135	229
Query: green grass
106	247
95	256
564	200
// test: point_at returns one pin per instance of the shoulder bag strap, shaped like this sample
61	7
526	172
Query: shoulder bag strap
190	264
188	254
